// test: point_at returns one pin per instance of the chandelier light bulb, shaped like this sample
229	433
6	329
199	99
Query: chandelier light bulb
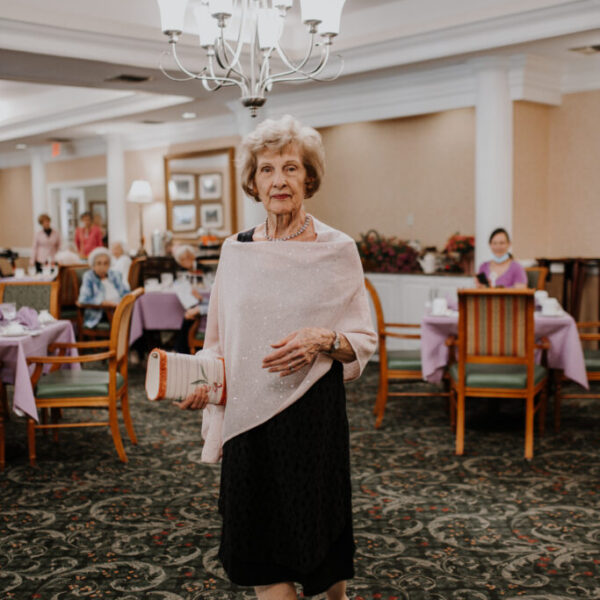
208	28
172	13
332	16
313	11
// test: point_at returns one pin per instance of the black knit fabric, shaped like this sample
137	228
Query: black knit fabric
286	497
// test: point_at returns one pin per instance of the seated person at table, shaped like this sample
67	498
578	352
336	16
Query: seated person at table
100	285
120	260
186	258
502	270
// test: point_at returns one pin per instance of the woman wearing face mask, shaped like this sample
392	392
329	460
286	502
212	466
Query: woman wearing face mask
502	270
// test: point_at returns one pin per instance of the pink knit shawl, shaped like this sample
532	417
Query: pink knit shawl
262	292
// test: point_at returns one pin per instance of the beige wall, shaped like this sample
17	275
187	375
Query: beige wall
76	169
16	218
379	173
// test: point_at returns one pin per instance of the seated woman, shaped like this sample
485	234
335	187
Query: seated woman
186	258
120	260
502	270
101	286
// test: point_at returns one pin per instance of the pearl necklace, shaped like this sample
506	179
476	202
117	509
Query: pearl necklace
286	237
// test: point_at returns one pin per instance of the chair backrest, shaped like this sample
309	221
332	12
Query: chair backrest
536	277
35	294
377	306
119	331
134	277
153	266
496	325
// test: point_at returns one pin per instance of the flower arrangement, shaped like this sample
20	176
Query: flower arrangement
381	254
463	244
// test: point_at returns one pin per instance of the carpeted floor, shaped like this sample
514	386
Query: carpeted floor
428	525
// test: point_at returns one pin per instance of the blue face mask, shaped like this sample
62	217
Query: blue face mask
500	259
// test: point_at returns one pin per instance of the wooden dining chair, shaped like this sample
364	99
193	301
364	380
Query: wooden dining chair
34	294
496	356
536	277
592	368
196	335
134	277
102	331
395	366
69	280
65	389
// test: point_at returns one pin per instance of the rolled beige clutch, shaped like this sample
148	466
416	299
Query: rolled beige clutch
173	376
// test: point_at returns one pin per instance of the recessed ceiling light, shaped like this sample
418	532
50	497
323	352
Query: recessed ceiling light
188	115
21	146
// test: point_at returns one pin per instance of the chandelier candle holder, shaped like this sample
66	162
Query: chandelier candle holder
241	39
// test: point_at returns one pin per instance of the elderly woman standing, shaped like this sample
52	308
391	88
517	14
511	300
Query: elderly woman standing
100	285
289	314
46	243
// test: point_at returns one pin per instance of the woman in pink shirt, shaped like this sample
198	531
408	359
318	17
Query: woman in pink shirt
46	243
88	236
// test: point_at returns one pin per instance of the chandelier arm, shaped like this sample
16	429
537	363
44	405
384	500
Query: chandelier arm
289	64
189	74
303	75
202	74
243	80
239	72
240	37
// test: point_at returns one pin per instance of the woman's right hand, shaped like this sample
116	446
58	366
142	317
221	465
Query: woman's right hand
197	400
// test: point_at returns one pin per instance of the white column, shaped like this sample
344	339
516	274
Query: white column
39	202
493	152
253	212
115	189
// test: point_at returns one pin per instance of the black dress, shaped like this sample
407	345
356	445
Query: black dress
285	494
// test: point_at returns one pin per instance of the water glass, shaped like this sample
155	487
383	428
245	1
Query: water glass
9	311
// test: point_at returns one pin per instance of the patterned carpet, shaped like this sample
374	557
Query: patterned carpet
429	525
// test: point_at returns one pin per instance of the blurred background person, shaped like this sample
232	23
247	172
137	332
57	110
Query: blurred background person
67	255
46	243
120	260
88	236
99	223
503	270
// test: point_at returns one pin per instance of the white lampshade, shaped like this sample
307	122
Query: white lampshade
332	15
221	7
313	10
172	13
140	191
270	25
208	29
283	3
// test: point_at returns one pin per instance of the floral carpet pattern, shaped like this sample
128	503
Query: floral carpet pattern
428	525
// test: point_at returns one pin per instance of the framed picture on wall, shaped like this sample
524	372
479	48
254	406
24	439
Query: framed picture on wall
182	187
184	217
211	186
211	215
98	207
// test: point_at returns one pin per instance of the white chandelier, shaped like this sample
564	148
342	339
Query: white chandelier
258	24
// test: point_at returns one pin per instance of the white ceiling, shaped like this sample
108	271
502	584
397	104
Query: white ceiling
56	56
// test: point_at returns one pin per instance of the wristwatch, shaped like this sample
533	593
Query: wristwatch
336	343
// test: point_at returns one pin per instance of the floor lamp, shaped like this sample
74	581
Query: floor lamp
140	192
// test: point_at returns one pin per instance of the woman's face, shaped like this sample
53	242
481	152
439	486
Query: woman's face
101	266
280	180
46	223
500	244
187	261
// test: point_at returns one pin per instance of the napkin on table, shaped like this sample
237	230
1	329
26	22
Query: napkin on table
28	317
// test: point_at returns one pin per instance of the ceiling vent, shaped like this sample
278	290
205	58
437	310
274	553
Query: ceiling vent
151	122
128	78
588	50
59	140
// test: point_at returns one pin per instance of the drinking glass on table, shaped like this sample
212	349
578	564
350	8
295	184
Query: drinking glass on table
9	311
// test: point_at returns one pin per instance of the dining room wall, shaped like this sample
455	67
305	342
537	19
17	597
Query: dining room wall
16	212
412	177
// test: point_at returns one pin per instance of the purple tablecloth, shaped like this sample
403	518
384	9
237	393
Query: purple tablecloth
565	347
158	311
14	353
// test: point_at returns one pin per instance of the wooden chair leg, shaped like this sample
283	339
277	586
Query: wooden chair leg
452	404
31	440
116	434
127	418
460	423
44	415
381	400
381	391
529	415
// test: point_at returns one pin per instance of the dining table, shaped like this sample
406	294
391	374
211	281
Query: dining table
160	310
565	352
14	352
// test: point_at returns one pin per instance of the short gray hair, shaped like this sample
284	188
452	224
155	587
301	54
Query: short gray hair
95	253
275	135
181	251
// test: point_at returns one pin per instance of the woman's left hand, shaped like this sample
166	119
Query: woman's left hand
298	350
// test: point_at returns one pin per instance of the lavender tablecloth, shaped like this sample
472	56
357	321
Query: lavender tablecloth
565	347
158	311
13	356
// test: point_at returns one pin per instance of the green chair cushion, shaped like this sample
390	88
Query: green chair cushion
75	384
404	360
592	360
498	376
